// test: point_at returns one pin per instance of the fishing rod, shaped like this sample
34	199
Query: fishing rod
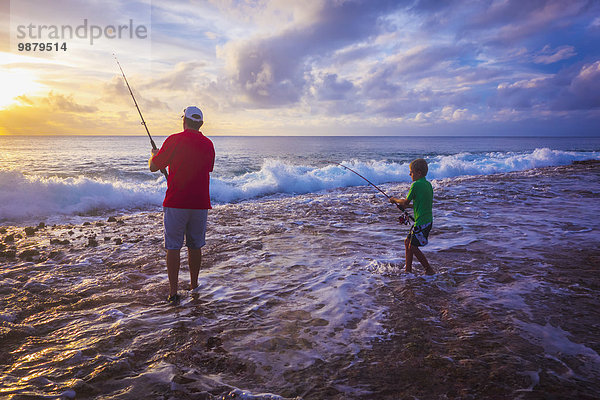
405	213
140	112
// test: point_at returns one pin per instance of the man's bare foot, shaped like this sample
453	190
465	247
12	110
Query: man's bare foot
193	288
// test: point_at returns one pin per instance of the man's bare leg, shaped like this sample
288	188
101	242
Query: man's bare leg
173	261
195	263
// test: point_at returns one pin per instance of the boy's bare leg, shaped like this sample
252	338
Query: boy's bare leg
173	261
423	260
195	262
409	256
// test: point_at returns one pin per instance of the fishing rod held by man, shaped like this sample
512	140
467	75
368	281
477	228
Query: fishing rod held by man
164	171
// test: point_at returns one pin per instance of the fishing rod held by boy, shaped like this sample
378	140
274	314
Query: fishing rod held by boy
405	218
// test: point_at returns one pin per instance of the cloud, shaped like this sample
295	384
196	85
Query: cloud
331	87
61	102
511	20
24	100
351	53
58	113
405	106
183	77
582	92
381	84
422	61
548	55
272	71
55	113
575	88
116	91
265	63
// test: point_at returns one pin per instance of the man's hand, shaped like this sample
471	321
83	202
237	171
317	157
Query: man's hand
153	168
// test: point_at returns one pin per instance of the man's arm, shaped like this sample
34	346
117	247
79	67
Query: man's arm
151	165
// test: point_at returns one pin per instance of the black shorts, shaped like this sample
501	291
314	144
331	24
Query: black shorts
419	234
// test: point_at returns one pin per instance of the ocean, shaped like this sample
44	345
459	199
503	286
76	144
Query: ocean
58	177
302	293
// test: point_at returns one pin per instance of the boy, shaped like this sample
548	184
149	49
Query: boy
421	193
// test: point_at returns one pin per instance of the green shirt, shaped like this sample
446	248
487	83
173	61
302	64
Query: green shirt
421	193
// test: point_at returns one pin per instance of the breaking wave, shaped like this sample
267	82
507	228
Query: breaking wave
23	196
277	176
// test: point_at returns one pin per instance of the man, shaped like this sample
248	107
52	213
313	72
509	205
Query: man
190	157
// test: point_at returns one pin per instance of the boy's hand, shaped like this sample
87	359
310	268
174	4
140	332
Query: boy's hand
154	151
401	202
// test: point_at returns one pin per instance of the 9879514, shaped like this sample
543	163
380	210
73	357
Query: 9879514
42	46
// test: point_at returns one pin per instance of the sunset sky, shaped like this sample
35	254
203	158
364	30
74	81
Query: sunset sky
284	67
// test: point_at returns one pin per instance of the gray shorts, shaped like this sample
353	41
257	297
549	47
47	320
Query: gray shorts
180	222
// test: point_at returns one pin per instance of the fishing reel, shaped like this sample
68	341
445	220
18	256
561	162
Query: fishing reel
403	219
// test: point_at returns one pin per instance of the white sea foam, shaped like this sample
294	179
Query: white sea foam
277	176
23	196
556	342
461	164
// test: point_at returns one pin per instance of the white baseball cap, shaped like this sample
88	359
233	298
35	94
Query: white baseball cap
193	113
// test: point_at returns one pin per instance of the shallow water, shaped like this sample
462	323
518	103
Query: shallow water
303	296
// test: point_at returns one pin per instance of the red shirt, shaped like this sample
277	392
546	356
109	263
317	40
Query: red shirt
190	157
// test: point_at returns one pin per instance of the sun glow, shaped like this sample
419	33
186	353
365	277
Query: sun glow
16	82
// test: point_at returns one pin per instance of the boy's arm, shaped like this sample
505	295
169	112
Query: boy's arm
404	203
